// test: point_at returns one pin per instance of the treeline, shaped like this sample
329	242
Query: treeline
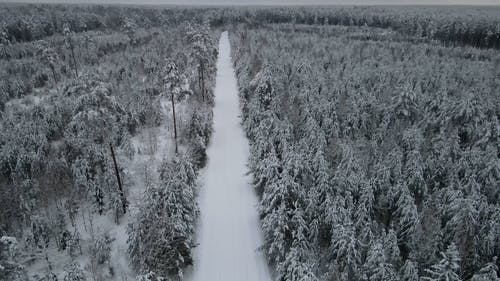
28	22
457	26
473	26
374	160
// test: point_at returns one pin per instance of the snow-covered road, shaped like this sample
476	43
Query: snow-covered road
229	233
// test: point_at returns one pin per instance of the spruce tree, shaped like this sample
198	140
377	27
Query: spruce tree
447	268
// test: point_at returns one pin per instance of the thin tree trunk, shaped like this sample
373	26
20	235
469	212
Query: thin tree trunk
199	77
117	172
202	81
74	60
54	74
175	123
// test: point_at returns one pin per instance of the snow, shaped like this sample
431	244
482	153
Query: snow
150	146
229	233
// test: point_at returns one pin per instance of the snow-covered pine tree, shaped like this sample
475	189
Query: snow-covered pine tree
377	267
447	268
161	236
130	28
198	132
266	156
41	232
10	269
345	250
463	227
406	219
97	124
295	267
489	272
74	247
414	166
69	43
298	264
404	103
4	40
171	80
101	249
73	272
409	271
391	247
47	56
489	242
202	48
320	190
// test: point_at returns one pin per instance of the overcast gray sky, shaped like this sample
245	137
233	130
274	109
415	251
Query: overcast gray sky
277	2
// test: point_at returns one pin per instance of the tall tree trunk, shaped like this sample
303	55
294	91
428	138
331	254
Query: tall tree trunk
74	60
118	179
175	123
199	77
54	74
203	81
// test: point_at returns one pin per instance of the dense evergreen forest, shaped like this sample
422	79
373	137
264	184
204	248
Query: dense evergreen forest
374	138
376	156
455	26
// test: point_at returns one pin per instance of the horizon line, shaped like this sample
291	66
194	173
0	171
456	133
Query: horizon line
222	4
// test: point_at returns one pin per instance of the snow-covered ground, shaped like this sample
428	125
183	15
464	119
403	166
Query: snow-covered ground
150	147
229	232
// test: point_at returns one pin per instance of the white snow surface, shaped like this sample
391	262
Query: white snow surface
229	233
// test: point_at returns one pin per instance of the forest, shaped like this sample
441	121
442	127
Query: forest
105	117
374	139
376	156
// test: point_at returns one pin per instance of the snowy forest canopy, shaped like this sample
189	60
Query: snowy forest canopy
105	116
375	152
374	136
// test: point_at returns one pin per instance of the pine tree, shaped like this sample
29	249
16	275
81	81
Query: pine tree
447	268
345	251
406	219
282	202
74	246
4	36
101	249
376	267
97	123
130	28
161	236
69	43
73	272
405	103
413	168
320	190
202	51
463	226
295	267
9	268
409	271
297	264
171	79
40	230
392	253
364	208
4	40
60	231
487	273
72	206
47	56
